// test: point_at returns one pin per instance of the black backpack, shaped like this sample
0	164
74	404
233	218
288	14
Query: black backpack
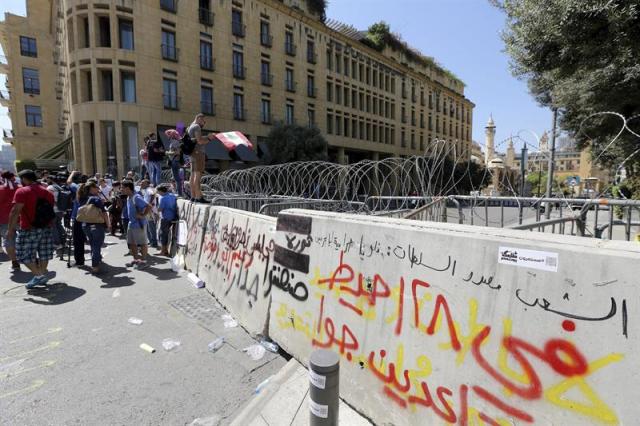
65	199
44	214
187	145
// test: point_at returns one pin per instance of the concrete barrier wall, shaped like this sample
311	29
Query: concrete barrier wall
439	323
195	216
236	262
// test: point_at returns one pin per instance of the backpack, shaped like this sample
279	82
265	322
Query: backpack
65	199
44	214
187	145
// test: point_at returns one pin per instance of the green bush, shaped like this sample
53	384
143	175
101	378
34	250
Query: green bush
24	165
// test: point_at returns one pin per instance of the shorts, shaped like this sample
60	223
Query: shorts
6	242
197	162
137	236
34	244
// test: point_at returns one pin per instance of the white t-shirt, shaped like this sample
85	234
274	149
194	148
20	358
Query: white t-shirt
106	191
55	191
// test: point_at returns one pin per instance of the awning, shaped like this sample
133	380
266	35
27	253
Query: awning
246	154
215	150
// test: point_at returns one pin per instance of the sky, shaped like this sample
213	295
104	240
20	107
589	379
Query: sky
462	35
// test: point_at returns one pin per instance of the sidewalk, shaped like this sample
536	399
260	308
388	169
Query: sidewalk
285	401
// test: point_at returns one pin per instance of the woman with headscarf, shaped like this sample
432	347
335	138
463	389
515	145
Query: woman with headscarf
8	187
174	155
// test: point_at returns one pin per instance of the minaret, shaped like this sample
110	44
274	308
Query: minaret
490	133
544	142
511	154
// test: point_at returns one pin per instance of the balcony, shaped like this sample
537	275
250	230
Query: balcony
290	86
238	29
266	40
312	58
169	5
290	49
239	72
171	102
239	114
266	79
208	108
205	16
312	92
169	52
207	63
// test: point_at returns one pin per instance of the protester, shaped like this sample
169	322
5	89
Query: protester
8	189
137	211
95	222
156	154
33	213
79	237
168	208
174	154
144	157
198	157
131	175
55	188
115	210
105	189
149	196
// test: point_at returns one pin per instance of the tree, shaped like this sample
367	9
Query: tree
289	143
581	56
538	183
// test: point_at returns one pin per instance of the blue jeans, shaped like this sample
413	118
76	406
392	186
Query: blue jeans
155	170
152	233
175	169
95	234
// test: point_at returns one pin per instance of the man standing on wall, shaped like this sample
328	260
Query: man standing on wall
198	157
155	150
33	207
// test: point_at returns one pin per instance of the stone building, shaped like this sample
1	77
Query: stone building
109	72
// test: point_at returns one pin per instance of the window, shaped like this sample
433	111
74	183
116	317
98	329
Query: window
104	31
329	59
206	55
311	52
346	66
329	92
169	50
311	86
265	111
128	86
346	96
125	29
329	124
338	94
266	39
107	85
288	114
311	117
206	100
28	46
170	93
238	65
31	81
265	73
169	5
338	125
238	107
290	84
289	47
205	16
338	63
237	28
33	115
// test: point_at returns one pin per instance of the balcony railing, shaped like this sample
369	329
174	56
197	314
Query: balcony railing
238	29
266	79
239	114
290	48
208	108
207	63
266	39
239	72
206	16
171	102
290	86
312	58
169	5
169	52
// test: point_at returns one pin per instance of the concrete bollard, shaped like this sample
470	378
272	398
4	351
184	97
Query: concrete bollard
324	387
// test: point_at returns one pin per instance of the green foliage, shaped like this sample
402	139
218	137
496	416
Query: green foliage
319	7
289	143
379	36
538	183
580	56
24	165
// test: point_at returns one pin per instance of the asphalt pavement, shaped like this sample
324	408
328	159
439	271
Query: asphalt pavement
68	354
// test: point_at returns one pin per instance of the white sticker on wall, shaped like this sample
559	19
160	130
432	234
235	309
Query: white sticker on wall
318	410
542	260
317	380
182	233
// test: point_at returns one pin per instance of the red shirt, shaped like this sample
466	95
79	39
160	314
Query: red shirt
28	195
6	200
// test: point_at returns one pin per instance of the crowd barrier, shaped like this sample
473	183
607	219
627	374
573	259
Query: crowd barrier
435	323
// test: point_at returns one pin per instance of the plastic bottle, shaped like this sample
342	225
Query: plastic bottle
216	345
270	346
262	385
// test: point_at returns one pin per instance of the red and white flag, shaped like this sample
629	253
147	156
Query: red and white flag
233	139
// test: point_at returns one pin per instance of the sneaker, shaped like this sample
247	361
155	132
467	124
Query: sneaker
43	280
32	283
140	265
132	263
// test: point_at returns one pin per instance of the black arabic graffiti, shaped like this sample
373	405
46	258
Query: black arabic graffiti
546	305
281	278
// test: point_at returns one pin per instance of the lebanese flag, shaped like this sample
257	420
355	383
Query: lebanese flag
233	139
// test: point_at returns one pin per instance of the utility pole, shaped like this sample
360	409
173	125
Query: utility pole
552	161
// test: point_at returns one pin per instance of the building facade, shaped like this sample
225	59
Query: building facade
117	70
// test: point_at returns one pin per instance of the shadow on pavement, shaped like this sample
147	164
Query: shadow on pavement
53	294
110	279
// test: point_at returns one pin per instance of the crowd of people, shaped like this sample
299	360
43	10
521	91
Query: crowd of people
42	212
